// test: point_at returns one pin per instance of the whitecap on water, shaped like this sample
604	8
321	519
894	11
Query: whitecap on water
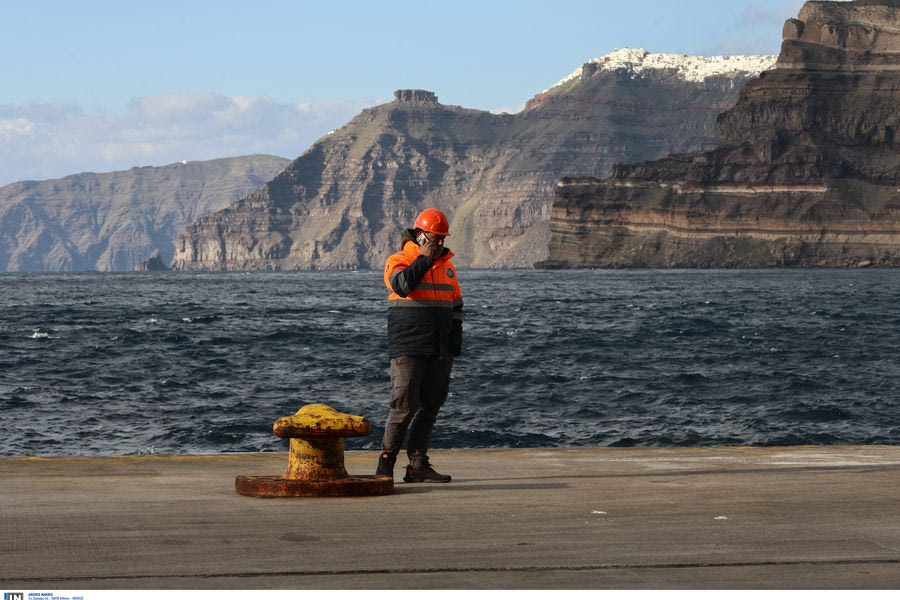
37	334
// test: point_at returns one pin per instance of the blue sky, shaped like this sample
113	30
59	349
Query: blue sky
100	86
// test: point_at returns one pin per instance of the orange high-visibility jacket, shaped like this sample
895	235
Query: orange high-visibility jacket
424	304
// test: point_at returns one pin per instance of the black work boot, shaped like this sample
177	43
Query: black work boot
386	465
421	471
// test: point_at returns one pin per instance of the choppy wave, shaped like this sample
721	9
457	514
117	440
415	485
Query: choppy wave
190	363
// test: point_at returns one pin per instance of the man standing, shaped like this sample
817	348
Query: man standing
424	335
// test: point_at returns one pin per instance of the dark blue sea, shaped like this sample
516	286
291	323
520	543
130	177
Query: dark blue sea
198	363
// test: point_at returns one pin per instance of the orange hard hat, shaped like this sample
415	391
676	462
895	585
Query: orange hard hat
433	221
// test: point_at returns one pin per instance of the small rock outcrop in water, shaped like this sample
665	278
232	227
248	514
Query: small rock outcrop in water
343	203
154	263
807	172
110	221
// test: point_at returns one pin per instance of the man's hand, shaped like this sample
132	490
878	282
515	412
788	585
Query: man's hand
431	248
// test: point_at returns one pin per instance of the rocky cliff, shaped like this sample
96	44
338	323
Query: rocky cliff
343	203
112	221
806	173
153	264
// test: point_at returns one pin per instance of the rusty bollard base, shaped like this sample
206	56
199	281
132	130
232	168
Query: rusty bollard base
279	487
316	458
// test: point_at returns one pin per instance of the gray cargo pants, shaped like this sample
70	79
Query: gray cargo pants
419	389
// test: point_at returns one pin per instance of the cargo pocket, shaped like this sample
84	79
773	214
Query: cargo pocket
404	389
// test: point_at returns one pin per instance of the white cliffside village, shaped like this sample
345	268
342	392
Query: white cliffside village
690	68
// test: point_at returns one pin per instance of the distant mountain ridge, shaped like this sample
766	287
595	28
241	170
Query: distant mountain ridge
342	204
113	221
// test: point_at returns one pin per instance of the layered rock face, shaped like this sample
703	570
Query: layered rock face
807	171
112	221
343	204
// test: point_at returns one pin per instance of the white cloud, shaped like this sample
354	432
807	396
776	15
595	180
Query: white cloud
44	141
509	109
11	129
180	107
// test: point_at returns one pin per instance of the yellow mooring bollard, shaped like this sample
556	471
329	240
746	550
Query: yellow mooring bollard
316	459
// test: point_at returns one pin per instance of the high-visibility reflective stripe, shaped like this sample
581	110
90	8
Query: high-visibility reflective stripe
398	283
457	302
443	287
420	304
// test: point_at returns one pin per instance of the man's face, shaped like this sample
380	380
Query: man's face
434	238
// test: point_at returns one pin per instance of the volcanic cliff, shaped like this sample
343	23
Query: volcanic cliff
343	203
111	221
807	171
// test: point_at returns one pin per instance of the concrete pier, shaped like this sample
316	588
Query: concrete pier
733	517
